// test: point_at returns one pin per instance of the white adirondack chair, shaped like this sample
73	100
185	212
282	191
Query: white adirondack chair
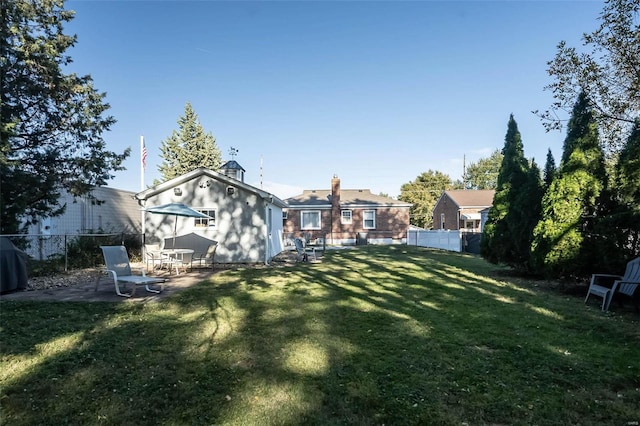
626	284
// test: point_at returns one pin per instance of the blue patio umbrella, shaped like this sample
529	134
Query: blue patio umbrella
176	209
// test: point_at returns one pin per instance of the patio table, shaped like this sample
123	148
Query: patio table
176	257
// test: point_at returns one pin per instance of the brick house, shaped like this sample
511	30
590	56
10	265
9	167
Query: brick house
346	216
462	209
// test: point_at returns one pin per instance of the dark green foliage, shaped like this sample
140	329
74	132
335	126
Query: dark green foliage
508	232
628	176
572	202
51	123
188	148
423	193
616	232
549	170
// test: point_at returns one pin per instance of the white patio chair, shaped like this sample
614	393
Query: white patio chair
303	251
116	260
153	256
206	257
625	284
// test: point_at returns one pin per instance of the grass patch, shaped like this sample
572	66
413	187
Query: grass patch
374	335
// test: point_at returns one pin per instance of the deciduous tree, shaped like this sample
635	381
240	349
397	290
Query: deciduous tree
605	69
51	122
424	192
483	174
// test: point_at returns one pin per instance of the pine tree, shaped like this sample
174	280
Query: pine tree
549	170
51	123
572	200
188	148
507	234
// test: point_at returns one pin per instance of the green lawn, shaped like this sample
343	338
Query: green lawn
376	335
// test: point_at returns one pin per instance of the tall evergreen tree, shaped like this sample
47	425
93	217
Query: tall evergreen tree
549	169
188	148
572	200
51	123
508	231
628	176
619	229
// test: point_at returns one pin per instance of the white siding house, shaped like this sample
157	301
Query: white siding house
117	212
246	221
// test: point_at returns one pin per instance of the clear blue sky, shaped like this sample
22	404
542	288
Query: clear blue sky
374	92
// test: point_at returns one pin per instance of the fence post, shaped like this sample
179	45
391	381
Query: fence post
66	255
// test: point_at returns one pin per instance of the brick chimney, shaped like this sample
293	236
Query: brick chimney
335	205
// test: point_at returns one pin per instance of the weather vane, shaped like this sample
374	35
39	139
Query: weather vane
233	152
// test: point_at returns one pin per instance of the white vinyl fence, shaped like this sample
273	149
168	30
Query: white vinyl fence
440	239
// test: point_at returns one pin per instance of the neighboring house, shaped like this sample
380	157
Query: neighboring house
107	210
245	221
110	210
462	209
346	216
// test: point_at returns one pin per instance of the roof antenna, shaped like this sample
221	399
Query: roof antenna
464	171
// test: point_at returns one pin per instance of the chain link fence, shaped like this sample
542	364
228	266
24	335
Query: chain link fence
55	253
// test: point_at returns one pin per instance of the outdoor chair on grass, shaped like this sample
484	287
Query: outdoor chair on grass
205	258
116	260
622	285
303	251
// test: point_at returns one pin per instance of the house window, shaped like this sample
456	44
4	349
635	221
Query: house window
205	222
284	215
369	219
441	220
345	217
310	219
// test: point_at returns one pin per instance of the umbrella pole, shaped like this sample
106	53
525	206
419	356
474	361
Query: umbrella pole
175	231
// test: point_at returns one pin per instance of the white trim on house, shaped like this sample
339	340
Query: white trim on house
470	216
267	196
365	219
310	227
343	219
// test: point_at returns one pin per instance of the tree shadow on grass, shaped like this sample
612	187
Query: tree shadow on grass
393	335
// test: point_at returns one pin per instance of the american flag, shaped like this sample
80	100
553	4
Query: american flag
144	155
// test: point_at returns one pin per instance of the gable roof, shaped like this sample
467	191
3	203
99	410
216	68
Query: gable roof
348	197
203	171
465	198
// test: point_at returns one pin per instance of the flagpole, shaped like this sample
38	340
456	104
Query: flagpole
143	163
